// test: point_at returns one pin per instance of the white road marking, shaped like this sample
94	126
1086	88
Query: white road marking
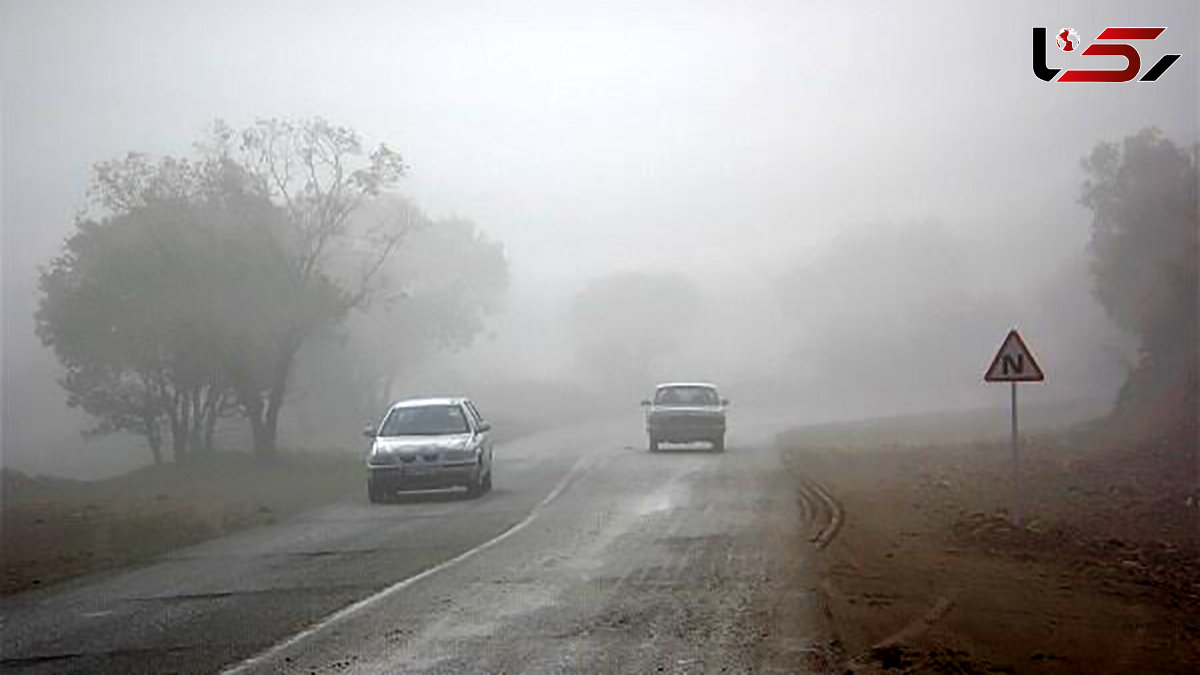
247	665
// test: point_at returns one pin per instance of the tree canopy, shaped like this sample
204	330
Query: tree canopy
1145	249
139	307
441	286
189	291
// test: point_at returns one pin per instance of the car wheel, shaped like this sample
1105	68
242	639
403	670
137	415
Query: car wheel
718	444
653	444
475	488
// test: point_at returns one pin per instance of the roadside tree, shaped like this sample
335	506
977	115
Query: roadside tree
130	306
1145	249
192	291
441	286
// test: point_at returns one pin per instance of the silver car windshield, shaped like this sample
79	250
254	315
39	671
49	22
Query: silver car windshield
426	420
686	396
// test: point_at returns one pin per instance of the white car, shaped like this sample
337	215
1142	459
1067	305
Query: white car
429	444
686	412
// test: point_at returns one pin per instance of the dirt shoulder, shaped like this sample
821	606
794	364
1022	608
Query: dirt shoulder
54	529
927	574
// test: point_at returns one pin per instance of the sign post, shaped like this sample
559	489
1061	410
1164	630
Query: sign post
1014	363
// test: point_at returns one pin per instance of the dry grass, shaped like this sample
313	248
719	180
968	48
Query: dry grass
55	529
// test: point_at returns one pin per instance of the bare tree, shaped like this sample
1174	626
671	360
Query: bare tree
318	174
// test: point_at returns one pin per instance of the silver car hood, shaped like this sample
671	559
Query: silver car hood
422	443
688	409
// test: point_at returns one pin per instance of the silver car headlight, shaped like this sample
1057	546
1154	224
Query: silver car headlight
461	454
384	456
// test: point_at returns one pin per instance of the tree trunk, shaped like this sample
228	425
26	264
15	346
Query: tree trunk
275	399
197	422
270	427
212	410
153	437
150	414
178	443
178	422
253	404
210	427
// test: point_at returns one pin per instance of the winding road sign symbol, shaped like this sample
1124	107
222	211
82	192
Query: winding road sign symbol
1014	362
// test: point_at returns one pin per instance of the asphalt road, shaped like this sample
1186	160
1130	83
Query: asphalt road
591	555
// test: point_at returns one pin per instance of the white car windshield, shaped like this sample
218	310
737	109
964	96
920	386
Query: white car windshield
426	420
686	396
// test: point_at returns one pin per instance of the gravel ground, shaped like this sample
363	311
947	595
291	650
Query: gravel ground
929	575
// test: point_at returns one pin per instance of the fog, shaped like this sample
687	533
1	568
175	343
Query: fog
862	200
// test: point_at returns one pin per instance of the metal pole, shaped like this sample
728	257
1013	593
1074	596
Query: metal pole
1016	456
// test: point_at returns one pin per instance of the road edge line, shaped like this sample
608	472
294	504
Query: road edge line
248	664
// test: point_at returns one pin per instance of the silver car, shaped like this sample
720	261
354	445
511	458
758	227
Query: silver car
429	444
686	412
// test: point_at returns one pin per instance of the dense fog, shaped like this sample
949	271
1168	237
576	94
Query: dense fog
835	211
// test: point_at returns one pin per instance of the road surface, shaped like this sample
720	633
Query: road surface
591	555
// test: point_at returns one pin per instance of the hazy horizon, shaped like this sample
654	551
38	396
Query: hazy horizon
866	198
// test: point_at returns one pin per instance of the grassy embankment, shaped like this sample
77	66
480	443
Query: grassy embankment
54	529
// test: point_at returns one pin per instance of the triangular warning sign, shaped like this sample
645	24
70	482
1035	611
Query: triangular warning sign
1014	363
